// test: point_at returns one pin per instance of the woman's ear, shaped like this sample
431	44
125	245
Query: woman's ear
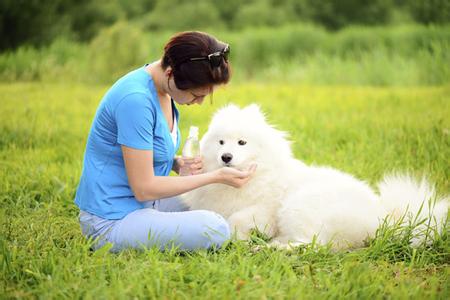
168	72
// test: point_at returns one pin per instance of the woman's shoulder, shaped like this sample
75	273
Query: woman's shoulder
137	81
133	88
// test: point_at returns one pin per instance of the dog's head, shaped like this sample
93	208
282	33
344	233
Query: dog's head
240	137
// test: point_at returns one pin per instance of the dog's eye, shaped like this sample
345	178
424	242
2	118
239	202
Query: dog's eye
242	142
221	142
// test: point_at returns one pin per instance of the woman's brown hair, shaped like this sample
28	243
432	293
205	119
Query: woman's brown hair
189	74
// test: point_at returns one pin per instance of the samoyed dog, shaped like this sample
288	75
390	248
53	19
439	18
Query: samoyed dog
294	203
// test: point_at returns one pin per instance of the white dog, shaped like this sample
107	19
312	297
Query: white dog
289	201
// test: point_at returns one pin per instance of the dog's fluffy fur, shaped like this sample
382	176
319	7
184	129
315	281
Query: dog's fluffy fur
294	203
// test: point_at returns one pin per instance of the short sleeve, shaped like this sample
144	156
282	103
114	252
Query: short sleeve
135	118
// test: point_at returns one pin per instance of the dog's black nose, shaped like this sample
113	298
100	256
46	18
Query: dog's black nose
226	157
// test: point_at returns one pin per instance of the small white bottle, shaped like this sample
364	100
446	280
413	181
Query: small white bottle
190	151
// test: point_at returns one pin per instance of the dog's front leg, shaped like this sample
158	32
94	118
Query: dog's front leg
253	217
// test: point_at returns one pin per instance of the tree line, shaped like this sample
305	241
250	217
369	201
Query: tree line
39	22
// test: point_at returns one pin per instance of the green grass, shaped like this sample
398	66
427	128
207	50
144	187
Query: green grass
363	130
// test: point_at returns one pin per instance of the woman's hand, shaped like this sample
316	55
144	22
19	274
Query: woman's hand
233	177
146	186
188	166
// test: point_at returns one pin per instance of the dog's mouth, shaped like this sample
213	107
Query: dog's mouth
241	166
230	165
237	167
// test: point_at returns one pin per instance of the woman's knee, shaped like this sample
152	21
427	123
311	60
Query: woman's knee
212	229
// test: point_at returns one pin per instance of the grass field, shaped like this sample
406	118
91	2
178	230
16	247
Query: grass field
363	130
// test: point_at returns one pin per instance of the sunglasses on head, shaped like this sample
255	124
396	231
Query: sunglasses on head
215	58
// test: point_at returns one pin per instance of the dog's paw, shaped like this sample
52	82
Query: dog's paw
241	235
278	245
243	223
240	227
284	246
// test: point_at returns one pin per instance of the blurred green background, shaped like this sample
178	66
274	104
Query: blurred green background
355	42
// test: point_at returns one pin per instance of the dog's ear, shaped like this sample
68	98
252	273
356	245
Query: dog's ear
255	111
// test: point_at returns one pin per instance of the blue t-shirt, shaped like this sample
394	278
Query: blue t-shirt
130	115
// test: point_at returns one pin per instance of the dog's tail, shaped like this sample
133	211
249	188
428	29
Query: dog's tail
403	196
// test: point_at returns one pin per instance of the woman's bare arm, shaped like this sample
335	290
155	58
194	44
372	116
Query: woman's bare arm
146	186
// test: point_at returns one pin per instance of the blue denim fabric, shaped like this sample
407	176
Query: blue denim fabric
165	223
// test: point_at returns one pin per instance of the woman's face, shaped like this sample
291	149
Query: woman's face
190	96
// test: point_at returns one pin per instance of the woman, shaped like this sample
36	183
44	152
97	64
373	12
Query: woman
125	195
